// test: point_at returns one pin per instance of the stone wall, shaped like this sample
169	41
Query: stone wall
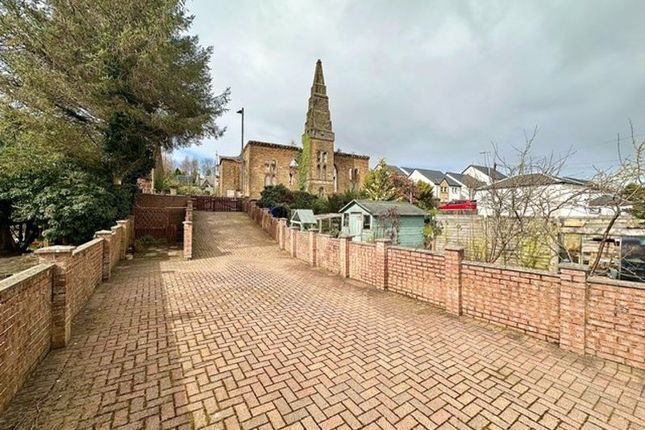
257	155
585	315
229	176
37	306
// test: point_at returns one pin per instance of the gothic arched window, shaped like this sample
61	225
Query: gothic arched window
335	179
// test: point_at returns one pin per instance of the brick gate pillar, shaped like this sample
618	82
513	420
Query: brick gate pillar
119	237
292	241
344	256
380	265
124	238
107	236
573	307
313	247
61	256
188	240
282	226
453	256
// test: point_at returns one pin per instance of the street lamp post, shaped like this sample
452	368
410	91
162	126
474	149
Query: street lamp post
241	112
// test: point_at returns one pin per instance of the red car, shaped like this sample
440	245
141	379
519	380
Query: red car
459	205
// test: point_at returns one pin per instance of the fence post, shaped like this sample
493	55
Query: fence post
107	236
344	256
453	257
380	265
313	245
573	307
61	313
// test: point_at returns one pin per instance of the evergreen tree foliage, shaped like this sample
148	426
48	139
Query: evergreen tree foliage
90	92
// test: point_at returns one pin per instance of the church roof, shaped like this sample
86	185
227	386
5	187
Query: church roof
272	145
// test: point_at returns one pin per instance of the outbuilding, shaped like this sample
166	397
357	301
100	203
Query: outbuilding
303	218
368	220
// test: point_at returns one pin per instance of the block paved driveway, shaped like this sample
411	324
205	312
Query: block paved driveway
245	337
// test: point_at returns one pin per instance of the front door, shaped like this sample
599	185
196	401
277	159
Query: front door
356	225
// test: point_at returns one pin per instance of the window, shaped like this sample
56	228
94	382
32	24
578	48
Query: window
290	178
367	222
455	190
324	173
345	220
444	189
267	180
335	179
321	192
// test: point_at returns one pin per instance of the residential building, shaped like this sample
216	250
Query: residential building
539	194
486	175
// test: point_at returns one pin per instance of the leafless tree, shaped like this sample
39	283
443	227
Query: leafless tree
525	212
622	186
521	210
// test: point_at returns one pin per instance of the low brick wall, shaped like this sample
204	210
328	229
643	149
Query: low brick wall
417	274
327	253
37	306
522	299
302	245
615	321
25	326
594	316
361	262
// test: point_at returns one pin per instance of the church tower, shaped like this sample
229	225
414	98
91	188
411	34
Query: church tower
318	139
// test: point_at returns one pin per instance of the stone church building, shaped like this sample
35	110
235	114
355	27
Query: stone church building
315	167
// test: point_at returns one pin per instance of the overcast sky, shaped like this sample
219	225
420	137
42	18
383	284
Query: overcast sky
431	83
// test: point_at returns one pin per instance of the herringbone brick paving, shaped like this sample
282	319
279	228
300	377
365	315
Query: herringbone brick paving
245	337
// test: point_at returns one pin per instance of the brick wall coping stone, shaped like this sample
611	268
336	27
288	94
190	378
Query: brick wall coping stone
616	282
500	267
56	249
23	275
420	250
371	245
87	245
573	266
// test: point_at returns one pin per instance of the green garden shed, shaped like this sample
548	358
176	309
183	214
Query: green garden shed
368	220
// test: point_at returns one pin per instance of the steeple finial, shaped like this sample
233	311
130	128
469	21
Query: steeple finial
319	79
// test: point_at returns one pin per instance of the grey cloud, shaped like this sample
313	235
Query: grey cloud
432	83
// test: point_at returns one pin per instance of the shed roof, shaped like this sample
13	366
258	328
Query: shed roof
378	207
303	216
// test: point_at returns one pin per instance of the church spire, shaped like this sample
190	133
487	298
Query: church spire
318	122
319	80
